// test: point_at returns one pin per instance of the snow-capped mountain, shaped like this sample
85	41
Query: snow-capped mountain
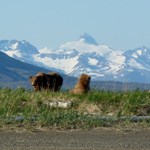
21	50
85	55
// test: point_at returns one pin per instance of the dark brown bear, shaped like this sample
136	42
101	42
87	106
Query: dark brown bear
83	85
51	81
55	81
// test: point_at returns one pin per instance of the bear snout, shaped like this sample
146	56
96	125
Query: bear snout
32	83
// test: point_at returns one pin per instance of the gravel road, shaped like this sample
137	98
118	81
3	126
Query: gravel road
100	139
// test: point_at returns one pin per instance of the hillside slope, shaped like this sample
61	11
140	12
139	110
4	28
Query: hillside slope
15	73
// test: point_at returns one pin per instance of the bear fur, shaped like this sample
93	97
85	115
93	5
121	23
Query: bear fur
38	81
55	81
83	85
51	81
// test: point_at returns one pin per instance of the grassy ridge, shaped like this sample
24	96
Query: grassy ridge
27	107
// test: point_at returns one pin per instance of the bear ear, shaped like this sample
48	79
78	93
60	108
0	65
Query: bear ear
89	77
30	77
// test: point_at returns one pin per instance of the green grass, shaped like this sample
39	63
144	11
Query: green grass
29	108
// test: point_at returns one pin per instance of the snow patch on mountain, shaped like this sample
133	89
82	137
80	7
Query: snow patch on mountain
92	61
60	59
136	65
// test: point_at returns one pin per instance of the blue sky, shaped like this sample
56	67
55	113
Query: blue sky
120	24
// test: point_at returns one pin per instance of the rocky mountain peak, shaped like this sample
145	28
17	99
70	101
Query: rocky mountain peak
85	37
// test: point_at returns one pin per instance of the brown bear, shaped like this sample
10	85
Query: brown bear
83	85
51	81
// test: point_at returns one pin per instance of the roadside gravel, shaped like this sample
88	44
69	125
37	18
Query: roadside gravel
96	139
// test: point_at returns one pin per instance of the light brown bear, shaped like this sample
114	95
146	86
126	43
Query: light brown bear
51	81
83	85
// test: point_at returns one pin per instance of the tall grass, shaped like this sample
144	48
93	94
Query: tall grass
29	107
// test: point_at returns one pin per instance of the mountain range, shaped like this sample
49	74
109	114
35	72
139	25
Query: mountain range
15	73
85	55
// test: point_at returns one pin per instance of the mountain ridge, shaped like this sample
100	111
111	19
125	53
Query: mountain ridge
85	55
15	73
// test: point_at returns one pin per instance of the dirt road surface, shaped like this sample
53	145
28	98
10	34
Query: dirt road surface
100	139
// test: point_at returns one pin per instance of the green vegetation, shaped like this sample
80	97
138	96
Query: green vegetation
29	108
